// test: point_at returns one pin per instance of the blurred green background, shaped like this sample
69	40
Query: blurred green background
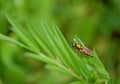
96	22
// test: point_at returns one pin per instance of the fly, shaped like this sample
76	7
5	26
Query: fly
81	47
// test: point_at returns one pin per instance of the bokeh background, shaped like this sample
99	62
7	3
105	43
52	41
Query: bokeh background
96	22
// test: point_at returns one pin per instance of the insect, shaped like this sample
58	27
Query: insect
81	47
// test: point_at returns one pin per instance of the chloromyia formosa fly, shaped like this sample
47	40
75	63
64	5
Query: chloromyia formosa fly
78	44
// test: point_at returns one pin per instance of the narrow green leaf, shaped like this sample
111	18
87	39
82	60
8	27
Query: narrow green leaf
54	44
5	38
58	69
41	42
55	65
79	66
64	70
64	50
22	34
97	64
40	57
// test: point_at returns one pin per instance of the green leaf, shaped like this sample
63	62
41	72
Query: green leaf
5	38
55	44
39	39
22	34
40	57
98	66
78	65
51	47
58	69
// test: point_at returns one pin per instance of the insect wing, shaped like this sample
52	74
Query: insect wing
87	51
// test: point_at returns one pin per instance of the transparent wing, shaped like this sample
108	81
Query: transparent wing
87	51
